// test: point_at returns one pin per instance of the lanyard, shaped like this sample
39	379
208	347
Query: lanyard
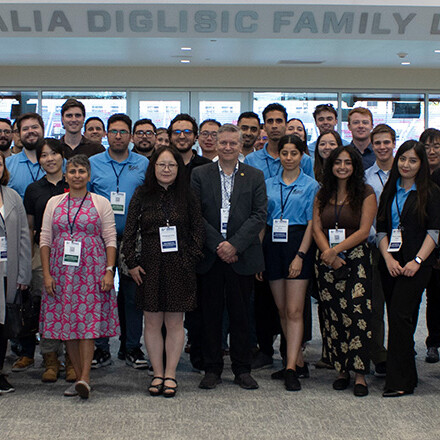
228	196
398	212
118	175
380	178
71	225
338	213
268	168
284	203
34	178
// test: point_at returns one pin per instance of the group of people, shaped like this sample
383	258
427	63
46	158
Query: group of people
243	234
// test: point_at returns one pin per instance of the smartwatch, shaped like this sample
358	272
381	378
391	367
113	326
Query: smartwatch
418	260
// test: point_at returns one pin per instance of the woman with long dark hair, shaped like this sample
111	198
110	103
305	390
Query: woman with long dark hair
325	144
343	214
407	233
167	215
296	126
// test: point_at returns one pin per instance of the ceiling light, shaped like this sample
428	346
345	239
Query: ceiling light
437	51
405	63
185	61
185	48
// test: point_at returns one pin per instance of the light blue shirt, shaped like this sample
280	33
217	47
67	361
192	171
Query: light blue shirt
263	161
298	207
22	172
103	178
312	146
399	201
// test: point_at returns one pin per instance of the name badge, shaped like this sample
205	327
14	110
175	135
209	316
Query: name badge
117	200
280	231
336	236
224	217
72	253
3	249
395	241
168	239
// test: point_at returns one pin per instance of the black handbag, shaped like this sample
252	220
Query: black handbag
22	316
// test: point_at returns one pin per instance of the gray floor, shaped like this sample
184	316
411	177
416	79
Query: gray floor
121	409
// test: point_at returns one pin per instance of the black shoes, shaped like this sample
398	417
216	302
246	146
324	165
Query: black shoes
291	381
341	383
156	389
278	375
5	386
246	381
360	390
261	361
169	391
380	369
210	381
303	372
395	393
432	355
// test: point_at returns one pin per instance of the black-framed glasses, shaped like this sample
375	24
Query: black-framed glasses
6	131
147	133
120	132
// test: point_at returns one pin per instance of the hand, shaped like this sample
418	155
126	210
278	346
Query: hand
49	285
226	251
231	260
339	262
329	256
22	286
259	276
394	267
295	267
136	273
107	281
410	268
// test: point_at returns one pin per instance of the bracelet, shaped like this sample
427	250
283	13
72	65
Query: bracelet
111	269
301	255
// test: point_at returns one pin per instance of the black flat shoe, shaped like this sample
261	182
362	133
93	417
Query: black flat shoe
395	393
341	383
278	375
360	390
291	381
156	390
303	372
167	390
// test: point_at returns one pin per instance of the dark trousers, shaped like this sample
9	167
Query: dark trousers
403	296
194	326
220	286
433	309
3	346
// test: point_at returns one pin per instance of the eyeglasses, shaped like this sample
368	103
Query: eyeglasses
141	133
120	132
435	147
206	134
7	132
170	166
186	132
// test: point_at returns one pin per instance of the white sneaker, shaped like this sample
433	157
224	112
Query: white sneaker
71	391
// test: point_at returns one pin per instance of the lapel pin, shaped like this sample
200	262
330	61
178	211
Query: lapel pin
241	174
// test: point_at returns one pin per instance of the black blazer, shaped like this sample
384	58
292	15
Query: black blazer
247	215
413	233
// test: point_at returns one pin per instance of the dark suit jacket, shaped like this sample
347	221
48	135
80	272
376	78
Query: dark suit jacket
247	215
413	233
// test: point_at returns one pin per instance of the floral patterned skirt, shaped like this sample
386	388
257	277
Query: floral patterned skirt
345	299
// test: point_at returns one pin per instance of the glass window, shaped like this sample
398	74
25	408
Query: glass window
403	112
225	112
298	105
101	104
434	111
14	104
160	112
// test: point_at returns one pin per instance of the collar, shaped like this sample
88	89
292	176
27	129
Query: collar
266	153
401	189
110	159
298	182
226	175
24	158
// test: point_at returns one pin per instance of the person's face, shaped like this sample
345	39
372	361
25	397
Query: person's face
409	164
73	120
16	136
5	136
326	145
251	130
162	140
325	121
94	131
383	146
77	177
118	141
360	126
275	125
295	127
166	169
50	161
228	146
31	133
261	140
208	137
290	157
144	137
432	148
343	166
181	140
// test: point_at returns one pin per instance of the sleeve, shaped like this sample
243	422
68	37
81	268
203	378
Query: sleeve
46	227
197	229
307	165
29	201
107	219
313	191
25	257
130	231
433	209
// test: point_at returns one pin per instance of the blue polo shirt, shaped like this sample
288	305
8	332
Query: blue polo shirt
103	178
22	172
263	161
399	201
298	205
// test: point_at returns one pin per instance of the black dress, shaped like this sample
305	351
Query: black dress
170	281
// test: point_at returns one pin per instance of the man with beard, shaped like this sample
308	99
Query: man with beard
144	137
5	136
24	167
249	123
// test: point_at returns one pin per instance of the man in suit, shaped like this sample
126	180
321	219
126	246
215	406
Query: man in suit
234	204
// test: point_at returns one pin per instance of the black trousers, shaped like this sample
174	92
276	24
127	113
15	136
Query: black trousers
433	309
220	286
403	296
3	346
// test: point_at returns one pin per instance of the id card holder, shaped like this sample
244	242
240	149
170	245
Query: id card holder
3	249
395	241
335	236
168	239
117	200
72	253
280	231
224	217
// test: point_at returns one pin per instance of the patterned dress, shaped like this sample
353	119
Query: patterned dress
79	309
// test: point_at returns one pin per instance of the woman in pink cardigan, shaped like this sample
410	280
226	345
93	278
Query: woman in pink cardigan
78	253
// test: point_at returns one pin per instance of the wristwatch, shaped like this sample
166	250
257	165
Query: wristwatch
301	255
418	260
111	269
